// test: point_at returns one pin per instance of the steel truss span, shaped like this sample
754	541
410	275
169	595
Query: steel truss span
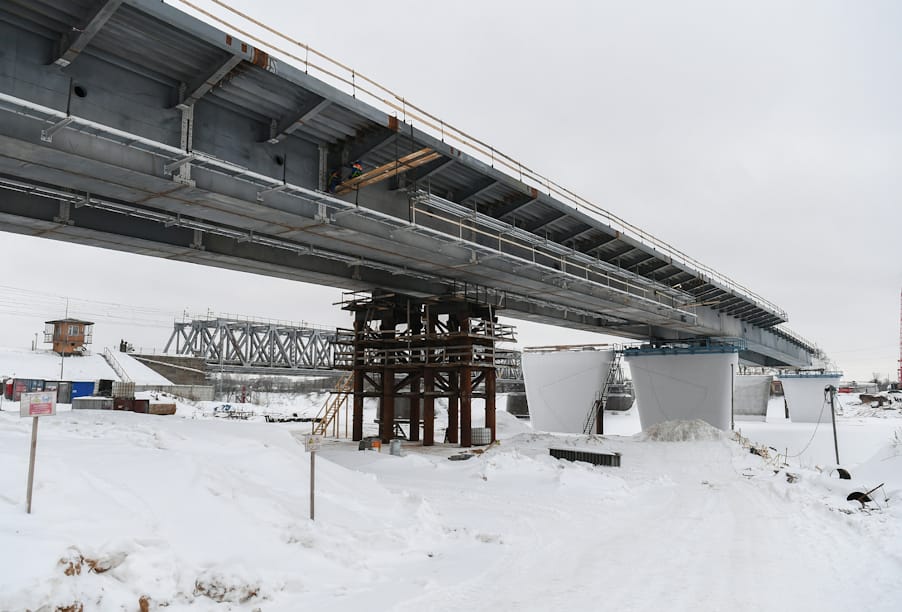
253	344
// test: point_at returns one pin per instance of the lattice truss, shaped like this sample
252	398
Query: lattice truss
246	343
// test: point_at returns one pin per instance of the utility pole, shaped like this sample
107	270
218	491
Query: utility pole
63	353
832	391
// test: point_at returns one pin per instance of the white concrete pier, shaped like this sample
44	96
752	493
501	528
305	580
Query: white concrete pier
804	393
750	395
675	384
562	384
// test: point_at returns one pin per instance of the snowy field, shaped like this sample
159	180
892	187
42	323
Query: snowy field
45	365
185	513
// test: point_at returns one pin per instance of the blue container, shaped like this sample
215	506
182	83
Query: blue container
82	389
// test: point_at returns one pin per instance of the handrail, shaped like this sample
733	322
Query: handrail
346	77
254	320
114	363
799	339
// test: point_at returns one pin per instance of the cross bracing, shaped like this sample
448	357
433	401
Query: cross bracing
253	344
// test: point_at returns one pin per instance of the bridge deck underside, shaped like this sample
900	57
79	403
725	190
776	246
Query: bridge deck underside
250	168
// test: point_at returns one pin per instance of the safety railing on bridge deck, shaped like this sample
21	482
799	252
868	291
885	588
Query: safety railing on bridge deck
362	87
255	320
429	213
798	339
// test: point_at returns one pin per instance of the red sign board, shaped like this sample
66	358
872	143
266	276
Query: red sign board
38	404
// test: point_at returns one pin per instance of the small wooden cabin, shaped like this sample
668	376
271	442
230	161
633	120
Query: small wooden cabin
69	336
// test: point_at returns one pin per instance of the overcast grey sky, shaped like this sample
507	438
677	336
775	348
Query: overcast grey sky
762	138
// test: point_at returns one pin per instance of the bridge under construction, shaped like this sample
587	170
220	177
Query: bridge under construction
131	125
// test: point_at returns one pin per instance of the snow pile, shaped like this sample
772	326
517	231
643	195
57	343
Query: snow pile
681	431
886	467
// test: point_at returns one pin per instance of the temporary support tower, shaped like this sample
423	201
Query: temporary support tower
420	349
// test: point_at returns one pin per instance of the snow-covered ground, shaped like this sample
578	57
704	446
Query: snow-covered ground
138	372
206	513
45	364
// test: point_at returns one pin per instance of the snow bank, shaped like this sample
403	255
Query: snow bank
886	467
681	431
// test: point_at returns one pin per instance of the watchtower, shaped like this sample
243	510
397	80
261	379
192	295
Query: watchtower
69	336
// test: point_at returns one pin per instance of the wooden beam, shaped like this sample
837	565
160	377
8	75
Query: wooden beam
386	171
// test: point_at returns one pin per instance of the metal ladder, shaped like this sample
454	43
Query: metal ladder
600	401
338	397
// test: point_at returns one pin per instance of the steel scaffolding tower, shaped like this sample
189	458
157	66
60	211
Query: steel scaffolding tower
414	350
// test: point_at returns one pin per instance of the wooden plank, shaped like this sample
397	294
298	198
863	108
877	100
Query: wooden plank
385	171
399	169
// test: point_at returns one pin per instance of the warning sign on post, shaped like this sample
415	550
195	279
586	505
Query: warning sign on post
38	404
312	443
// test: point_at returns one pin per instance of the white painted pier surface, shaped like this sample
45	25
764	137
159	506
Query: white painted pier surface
805	396
674	386
562	385
750	395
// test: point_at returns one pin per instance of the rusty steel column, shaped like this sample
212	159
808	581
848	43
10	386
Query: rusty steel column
358	365
452	405
387	406
490	400
466	407
357	426
415	400
428	407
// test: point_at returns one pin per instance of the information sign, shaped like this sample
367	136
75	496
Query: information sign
42	403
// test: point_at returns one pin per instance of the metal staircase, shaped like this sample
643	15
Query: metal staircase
602	399
110	358
338	398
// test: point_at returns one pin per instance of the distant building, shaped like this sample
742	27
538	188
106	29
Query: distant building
69	336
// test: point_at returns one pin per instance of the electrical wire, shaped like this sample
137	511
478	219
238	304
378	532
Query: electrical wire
813	434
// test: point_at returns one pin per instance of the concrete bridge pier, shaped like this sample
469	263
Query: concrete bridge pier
684	382
805	393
